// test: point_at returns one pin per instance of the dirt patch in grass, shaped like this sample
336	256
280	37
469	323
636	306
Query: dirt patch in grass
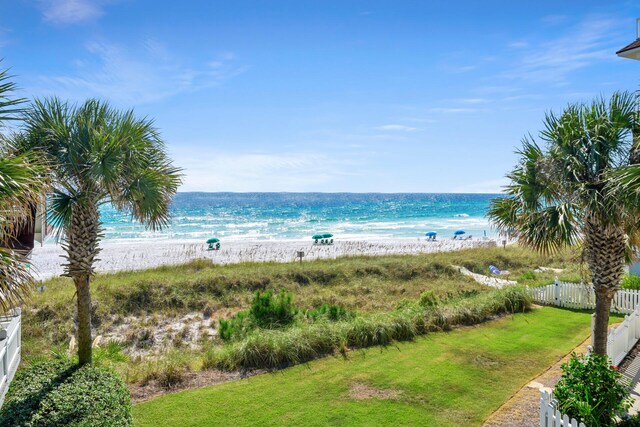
141	391
361	391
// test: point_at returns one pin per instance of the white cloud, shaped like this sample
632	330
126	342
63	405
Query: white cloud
474	100
553	61
145	75
553	19
518	44
221	171
70	11
448	110
396	128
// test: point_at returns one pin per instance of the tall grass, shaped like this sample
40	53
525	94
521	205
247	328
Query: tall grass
301	343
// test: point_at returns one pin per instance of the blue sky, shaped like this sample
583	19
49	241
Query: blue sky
363	96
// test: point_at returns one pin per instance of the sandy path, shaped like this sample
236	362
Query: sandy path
486	280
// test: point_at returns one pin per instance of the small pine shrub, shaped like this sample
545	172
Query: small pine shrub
269	311
428	299
630	281
236	327
590	391
330	312
59	393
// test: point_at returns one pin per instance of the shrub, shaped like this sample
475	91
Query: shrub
266	312
428	299
630	281
236	327
59	393
590	391
272	312
330	312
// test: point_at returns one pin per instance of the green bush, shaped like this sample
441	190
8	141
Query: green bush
267	311
236	327
590	391
59	393
630	281
428	299
272	312
330	312
263	348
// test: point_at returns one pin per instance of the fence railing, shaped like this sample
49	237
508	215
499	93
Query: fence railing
624	337
581	296
550	416
9	350
620	341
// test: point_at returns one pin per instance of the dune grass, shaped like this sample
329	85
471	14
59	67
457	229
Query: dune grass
452	378
138	302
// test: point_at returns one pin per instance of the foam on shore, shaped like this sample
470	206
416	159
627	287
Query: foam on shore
116	255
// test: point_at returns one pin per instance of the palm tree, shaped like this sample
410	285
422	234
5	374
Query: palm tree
98	155
22	182
577	190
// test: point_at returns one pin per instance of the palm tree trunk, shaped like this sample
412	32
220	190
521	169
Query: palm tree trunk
83	291
604	247
601	324
81	245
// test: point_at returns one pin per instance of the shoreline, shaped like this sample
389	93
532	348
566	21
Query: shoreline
118	256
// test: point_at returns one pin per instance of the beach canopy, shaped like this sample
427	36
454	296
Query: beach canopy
213	240
318	236
327	235
459	232
431	234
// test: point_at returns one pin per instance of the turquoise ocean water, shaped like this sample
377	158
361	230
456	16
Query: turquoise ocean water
292	216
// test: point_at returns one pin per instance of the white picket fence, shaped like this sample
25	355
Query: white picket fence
620	341
9	350
581	296
550	416
624	337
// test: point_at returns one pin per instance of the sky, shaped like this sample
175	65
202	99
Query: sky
328	96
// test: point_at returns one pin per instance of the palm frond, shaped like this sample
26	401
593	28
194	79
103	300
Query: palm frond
15	279
10	109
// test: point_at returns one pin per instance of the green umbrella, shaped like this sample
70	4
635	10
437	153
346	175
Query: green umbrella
318	236
327	235
213	240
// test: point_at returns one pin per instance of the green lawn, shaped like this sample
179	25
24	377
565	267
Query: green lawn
452	378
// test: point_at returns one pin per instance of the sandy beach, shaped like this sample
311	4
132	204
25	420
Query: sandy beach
122	256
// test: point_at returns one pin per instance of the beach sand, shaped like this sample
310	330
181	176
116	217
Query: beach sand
46	260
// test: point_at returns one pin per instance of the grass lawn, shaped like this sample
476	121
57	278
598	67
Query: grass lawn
453	378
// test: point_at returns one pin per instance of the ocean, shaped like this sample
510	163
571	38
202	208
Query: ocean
294	216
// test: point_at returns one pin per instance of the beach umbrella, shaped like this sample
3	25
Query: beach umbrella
213	240
459	232
431	234
327	235
317	236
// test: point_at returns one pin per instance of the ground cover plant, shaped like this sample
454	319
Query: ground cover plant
166	319
59	393
454	378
